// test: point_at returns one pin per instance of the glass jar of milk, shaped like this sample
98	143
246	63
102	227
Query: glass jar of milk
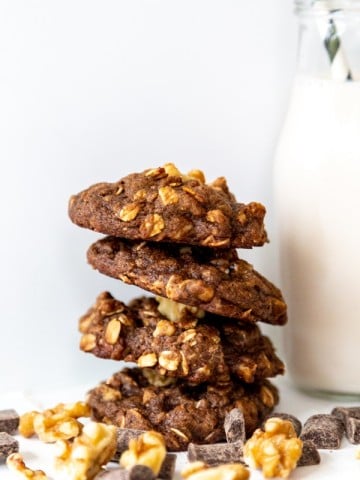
317	201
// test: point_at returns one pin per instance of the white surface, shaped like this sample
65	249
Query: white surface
92	90
334	464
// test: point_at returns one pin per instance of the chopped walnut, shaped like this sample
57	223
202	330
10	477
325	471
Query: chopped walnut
148	449
168	195
83	458
154	378
169	360
177	288
276	449
16	463
55	423
129	212
197	175
175	311
152	225
164	328
147	360
228	471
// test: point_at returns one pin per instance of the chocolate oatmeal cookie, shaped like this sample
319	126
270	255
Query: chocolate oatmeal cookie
215	280
162	205
181	413
194	346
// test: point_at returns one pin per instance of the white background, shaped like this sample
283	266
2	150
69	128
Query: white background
93	90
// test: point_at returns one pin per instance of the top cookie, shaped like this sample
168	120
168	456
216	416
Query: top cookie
163	205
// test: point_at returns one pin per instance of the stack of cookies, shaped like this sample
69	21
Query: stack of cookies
196	344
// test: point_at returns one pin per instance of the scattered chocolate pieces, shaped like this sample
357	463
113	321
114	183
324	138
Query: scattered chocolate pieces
8	445
287	416
9	421
325	430
234	426
309	456
217	453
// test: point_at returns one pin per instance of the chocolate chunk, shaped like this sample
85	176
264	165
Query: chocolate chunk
326	431
309	456
291	418
137	472
344	412
217	453
167	469
8	445
123	436
9	421
352	430
350	416
234	426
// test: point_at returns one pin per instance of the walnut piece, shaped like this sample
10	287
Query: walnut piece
147	360
152	225
175	311
169	360
83	458
16	463
148	449
275	450
156	379
228	471
55	423
168	195
129	212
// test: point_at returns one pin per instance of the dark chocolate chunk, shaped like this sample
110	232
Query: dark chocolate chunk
350	416
234	426
123	436
344	412
325	430
217	453
167	470
8	445
310	455
137	472
291	418
9	421
352	430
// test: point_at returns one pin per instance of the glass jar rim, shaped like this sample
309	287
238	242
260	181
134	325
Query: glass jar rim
325	6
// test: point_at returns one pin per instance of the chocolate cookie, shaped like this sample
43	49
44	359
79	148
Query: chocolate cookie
198	347
215	280
162	205
181	413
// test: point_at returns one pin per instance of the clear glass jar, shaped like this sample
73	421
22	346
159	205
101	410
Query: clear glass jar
317	201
